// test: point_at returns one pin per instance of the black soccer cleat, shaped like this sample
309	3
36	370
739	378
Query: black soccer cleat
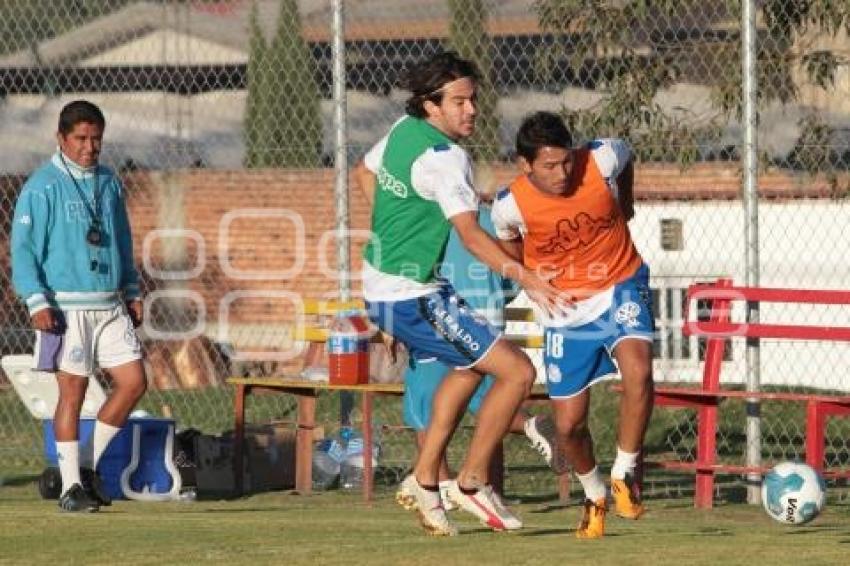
75	500
93	486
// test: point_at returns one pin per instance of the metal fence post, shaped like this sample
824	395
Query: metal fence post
751	228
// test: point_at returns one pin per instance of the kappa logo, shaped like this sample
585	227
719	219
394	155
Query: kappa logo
580	231
627	314
553	373
390	183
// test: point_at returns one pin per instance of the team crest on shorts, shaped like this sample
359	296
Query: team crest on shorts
131	339
627	314
553	373
76	355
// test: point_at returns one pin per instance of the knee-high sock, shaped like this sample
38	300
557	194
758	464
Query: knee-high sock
594	487
624	464
103	434
68	455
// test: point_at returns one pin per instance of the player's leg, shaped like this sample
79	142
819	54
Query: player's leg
75	365
634	358
513	377
423	325
128	387
447	408
421	382
575	359
631	319
575	445
119	354
72	393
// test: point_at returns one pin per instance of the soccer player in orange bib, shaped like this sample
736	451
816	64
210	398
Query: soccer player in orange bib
567	213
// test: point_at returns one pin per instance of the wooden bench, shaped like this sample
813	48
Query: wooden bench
305	393
719	329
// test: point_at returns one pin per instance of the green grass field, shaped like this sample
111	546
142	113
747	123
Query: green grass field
339	528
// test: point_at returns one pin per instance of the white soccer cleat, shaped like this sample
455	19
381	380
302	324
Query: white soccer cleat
405	497
448	504
428	506
487	506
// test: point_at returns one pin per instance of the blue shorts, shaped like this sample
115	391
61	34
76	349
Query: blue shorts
439	326
577	357
421	381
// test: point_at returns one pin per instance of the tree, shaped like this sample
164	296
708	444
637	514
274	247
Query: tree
256	126
468	37
282	124
631	50
295	111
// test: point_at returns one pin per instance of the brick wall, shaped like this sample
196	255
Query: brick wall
202	201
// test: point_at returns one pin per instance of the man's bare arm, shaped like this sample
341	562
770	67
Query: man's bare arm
513	248
366	180
487	249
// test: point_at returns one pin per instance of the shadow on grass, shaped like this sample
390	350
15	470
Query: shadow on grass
18	480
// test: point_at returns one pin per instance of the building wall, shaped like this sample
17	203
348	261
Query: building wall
230	254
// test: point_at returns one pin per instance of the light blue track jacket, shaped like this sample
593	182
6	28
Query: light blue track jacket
52	263
481	287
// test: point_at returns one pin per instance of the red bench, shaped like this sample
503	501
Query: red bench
717	330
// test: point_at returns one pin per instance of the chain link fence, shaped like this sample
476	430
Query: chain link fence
219	118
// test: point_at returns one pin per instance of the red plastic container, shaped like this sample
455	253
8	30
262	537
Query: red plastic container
348	350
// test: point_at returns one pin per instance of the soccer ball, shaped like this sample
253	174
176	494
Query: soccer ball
793	493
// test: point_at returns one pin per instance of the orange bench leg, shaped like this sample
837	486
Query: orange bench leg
239	437
366	430
304	442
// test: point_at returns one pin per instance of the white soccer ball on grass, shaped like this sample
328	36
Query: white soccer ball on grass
793	493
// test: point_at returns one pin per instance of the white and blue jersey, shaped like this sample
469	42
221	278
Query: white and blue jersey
53	264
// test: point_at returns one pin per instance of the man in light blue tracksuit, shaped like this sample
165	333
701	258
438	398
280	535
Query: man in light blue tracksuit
72	263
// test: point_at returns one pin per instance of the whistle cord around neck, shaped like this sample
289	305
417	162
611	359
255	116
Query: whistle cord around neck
94	212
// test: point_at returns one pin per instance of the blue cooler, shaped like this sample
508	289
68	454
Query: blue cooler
151	475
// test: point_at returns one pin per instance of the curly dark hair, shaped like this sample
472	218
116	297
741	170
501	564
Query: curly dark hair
426	79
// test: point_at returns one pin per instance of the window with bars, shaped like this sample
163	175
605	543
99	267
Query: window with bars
668	306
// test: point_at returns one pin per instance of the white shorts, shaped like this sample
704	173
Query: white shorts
106	337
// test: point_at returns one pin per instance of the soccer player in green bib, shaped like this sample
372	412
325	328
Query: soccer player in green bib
422	184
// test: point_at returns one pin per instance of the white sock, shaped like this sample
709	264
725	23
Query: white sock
68	455
594	487
103	435
624	464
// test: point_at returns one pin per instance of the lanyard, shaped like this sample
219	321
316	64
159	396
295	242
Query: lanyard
93	212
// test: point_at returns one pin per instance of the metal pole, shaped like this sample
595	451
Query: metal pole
751	225
343	264
340	152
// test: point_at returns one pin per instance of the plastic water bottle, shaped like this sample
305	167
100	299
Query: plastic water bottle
352	470
327	455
